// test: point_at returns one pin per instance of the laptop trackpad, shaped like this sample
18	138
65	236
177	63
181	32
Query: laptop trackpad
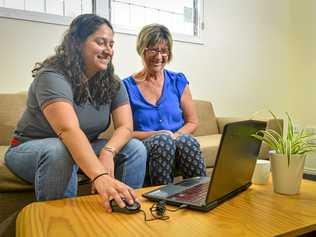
172	189
192	181
167	191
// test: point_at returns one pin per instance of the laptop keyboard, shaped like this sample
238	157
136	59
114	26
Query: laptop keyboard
196	194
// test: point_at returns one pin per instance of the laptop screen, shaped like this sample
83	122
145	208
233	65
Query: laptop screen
236	158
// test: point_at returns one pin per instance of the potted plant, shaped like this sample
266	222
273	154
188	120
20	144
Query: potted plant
288	152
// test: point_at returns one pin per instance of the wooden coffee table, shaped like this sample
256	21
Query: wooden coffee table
256	212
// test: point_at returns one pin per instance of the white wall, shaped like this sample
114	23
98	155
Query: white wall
23	43
242	67
302	86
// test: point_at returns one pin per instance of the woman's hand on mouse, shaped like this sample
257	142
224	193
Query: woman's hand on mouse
110	188
107	161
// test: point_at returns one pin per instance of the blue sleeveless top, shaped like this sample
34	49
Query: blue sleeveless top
167	113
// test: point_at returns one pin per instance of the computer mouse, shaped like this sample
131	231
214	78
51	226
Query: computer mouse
129	209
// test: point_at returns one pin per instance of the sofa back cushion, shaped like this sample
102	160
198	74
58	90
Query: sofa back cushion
13	104
207	119
12	107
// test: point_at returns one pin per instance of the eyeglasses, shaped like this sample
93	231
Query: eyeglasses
154	52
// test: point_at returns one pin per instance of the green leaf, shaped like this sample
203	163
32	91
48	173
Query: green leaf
290	128
267	138
290	143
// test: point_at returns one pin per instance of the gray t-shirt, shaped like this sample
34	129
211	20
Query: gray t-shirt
52	85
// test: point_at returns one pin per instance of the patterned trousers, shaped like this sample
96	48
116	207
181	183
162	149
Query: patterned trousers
167	155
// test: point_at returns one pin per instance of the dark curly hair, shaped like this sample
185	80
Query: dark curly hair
68	59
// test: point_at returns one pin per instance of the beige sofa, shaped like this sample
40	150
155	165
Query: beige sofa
15	193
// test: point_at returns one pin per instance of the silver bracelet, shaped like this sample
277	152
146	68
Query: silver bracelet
110	149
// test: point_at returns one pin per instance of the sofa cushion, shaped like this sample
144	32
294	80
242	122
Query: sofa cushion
12	106
207	119
209	146
9	181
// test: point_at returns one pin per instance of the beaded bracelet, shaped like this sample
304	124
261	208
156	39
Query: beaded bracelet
99	175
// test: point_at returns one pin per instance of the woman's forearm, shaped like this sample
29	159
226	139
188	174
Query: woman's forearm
188	128
120	137
143	135
81	151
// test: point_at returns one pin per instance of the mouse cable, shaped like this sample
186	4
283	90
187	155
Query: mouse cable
158	211
176	209
154	218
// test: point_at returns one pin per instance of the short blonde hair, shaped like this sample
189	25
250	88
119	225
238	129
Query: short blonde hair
152	34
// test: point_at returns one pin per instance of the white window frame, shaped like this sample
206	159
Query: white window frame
34	16
198	21
102	8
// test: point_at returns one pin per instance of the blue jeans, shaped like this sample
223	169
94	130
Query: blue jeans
48	165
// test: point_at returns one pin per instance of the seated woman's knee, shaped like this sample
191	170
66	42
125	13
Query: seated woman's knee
161	139
185	138
138	148
56	152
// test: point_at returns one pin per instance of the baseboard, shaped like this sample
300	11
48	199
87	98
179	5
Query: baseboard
309	176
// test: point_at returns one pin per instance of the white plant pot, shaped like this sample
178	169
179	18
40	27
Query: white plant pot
287	179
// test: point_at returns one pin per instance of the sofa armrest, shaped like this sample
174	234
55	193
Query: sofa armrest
222	121
275	124
107	134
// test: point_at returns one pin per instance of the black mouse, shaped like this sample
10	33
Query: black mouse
129	209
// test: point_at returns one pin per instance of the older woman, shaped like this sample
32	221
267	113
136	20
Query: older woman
69	104
163	111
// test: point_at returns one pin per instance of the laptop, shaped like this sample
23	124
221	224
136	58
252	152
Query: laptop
232	173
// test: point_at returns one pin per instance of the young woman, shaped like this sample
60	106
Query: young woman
69	104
